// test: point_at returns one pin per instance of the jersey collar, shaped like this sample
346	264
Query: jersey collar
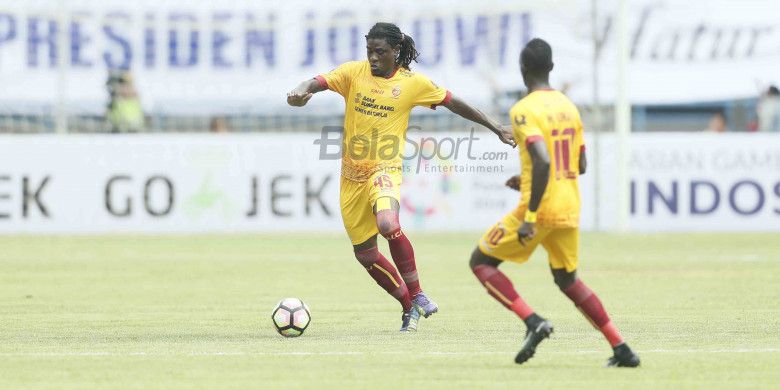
391	74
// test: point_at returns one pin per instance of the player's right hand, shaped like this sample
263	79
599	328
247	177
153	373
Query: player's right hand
526	233
513	182
297	99
506	136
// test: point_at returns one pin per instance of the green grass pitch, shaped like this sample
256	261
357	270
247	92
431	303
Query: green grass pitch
194	312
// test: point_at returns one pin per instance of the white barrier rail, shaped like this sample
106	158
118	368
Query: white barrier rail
277	183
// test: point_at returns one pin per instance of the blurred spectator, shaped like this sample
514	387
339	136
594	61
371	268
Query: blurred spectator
124	111
566	87
769	110
219	125
718	123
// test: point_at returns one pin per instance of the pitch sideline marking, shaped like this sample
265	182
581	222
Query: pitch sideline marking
360	353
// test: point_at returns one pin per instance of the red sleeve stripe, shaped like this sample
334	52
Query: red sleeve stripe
446	100
532	139
322	81
582	148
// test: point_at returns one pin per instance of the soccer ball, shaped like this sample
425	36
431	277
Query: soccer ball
291	317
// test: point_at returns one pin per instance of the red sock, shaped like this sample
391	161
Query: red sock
403	255
385	275
500	288
590	305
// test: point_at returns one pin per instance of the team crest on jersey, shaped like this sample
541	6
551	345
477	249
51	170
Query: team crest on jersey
396	91
358	97
520	122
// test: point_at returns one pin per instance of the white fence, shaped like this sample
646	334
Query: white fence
278	183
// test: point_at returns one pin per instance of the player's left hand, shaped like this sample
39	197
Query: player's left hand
506	136
526	233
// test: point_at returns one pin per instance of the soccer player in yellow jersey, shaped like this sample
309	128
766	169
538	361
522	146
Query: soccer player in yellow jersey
548	127
379	94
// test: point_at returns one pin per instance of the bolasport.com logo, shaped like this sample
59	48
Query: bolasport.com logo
454	154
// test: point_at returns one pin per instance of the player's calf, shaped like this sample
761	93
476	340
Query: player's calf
485	268
589	304
384	274
400	247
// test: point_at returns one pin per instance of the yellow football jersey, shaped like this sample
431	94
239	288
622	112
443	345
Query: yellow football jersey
549	116
377	114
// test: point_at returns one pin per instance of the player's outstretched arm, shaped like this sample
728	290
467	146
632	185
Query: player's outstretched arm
540	175
460	107
301	95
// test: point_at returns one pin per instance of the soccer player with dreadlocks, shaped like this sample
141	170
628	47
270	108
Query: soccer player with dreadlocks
380	93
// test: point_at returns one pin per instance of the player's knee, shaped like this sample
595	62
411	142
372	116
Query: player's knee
366	257
387	228
478	258
564	279
387	223
366	252
473	261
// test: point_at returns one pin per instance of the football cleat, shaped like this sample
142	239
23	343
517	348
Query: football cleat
424	306
623	357
533	336
409	320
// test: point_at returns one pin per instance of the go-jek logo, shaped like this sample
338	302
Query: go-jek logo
209	197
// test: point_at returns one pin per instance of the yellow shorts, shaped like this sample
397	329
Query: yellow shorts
357	202
561	244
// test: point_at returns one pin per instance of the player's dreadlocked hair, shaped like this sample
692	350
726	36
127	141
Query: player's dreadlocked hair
536	57
393	36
